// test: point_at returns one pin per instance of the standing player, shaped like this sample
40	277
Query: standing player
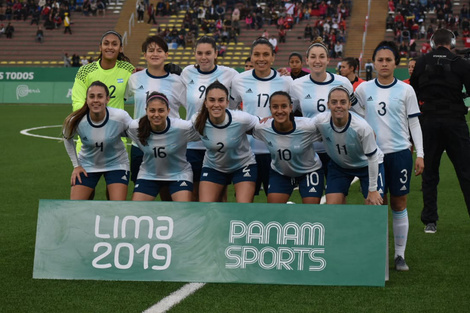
103	152
310	93
228	157
112	68
294	162
348	69
163	141
350	143
411	67
253	88
391	108
295	64
154	78
196	79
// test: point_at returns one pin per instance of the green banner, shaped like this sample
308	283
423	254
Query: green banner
37	92
212	242
38	74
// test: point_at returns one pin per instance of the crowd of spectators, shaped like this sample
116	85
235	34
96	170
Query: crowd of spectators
222	20
414	20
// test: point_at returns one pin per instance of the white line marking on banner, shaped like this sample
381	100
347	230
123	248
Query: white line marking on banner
174	298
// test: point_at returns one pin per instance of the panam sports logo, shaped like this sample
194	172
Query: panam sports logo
288	246
23	91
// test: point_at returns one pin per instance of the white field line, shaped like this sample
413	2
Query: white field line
174	298
179	295
26	132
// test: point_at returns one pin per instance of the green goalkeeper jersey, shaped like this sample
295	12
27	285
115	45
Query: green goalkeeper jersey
115	78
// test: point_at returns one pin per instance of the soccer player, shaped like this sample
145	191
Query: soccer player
310	93
348	69
103	152
411	67
112	68
196	79
154	78
163	141
295	64
350	143
253	88
294	162
228	157
391	109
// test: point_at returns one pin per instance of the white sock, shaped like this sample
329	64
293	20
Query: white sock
400	231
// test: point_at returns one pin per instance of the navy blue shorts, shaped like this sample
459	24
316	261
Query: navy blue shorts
247	173
339	179
398	171
310	185
111	177
152	187
195	158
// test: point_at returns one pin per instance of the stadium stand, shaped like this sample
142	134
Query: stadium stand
23	49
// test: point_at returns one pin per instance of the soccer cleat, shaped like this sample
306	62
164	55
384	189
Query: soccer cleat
400	264
430	228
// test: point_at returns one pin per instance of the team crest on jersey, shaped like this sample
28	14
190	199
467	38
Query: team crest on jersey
249	90
308	97
370	99
120	80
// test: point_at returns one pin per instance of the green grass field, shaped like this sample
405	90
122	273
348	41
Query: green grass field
35	168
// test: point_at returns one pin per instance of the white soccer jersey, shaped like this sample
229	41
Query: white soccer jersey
387	110
227	144
311	97
255	92
142	83
350	146
102	148
165	152
196	83
292	153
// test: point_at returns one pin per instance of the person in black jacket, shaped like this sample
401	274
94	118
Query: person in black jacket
438	79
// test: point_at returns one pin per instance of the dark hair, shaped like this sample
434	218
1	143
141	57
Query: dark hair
203	115
390	45
262	41
248	59
442	37
317	42
208	40
73	119
354	62
284	94
295	54
143	132
121	56
159	41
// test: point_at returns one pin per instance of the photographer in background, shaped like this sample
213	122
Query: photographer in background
438	79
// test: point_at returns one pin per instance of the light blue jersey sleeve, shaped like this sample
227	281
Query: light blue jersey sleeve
102	148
